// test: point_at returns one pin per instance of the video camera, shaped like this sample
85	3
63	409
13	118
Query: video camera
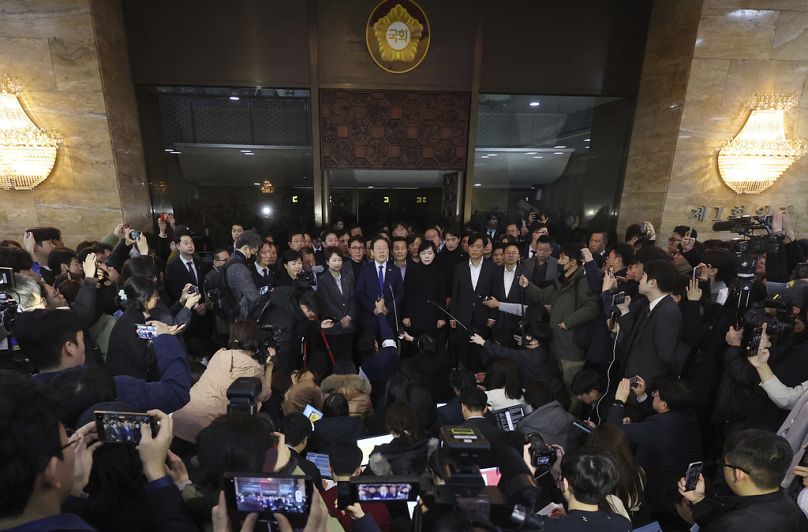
269	336
242	395
776	312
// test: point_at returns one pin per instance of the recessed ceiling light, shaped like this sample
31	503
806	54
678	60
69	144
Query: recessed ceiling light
492	154
558	147
535	104
175	152
257	184
370	186
478	184
531	153
249	153
245	151
558	153
234	98
484	157
266	211
169	149
586	140
539	157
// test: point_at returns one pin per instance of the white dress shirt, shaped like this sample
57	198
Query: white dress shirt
508	279
475	273
656	301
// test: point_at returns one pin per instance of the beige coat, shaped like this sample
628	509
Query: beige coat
209	394
356	390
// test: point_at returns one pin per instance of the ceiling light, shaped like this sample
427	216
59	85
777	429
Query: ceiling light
586	140
267	187
234	98
257	184
558	153
559	147
169	149
370	186
266	211
492	154
248	153
27	152
531	153
478	184
539	157
245	151
535	104
758	155
175	152
484	157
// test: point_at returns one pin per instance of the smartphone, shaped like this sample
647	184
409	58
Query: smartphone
697	271
618	299
344	496
146	332
632	382
134	235
7	279
267	494
583	427
386	490
193	289
754	344
123	427
480	377
692	475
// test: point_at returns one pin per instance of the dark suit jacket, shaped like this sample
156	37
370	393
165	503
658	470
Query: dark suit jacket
466	305
177	276
340	304
652	347
126	353
367	291
260	280
423	284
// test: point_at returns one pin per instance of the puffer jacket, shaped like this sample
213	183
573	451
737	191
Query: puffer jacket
573	304
356	390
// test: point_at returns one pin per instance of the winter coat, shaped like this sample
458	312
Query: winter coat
356	390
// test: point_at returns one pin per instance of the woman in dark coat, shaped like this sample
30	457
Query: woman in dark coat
128	354
425	282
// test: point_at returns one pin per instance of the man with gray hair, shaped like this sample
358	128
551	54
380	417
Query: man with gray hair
241	299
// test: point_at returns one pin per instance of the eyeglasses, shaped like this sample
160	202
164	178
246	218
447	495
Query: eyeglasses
725	464
671	240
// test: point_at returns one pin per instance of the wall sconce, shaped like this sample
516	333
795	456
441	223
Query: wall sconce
27	153
267	187
760	153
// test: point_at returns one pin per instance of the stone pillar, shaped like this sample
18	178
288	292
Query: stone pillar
51	47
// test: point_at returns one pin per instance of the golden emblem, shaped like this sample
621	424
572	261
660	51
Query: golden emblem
400	33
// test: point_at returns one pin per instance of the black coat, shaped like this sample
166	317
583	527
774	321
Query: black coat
177	276
773	512
126	353
466	304
340	304
331	430
534	364
423	284
652	347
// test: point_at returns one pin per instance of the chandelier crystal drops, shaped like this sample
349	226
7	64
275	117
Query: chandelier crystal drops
760	153
27	152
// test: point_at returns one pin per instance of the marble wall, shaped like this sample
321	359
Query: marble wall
51	47
741	47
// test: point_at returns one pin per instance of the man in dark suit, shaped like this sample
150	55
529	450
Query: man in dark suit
492	227
473	403
598	241
187	269
473	282
263	270
542	268
507	290
649	341
379	279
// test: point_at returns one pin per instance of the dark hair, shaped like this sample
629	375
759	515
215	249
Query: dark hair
327	232
602	232
411	238
330	251
724	261
473	398
585	381
345	458
675	392
426	344
16	258
544	239
293	232
462	378
305	251
427	244
452	230
634	230
474	237
650	253
504	373
380	237
244	335
80	388
573	251
42	234
142	266
537	394
664	273
344	367
398	239
233	442
609	438
138	291
590	474
762	455
624	251
29	437
401	418
181	233
250	239
356	238
290	255
335	405
70	289
683	229
315	303
42	334
296	427
60	256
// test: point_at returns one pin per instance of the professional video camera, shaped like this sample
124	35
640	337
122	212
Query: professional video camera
268	337
776	312
756	239
8	312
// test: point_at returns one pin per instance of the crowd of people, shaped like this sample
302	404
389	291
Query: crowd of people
644	383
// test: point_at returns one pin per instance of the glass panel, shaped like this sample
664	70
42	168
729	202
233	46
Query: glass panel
233	154
563	155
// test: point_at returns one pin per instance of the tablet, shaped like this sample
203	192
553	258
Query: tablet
313	414
322	463
490	475
508	418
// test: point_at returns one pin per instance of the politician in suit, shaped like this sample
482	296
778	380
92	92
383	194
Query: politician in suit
379	278
337	290
542	268
187	269
473	282
507	290
649	342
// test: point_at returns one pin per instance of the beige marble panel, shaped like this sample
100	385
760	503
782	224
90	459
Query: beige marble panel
707	80
29	61
64	19
747	77
735	34
17	214
791	37
75	65
778	5
79	116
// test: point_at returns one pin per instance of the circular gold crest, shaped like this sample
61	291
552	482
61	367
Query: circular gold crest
397	35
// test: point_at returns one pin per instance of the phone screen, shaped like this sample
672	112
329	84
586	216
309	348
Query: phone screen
122	427
344	497
146	332
692	475
290	496
754	344
386	491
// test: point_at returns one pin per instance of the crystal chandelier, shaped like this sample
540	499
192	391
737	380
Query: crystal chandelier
27	153
267	187
758	155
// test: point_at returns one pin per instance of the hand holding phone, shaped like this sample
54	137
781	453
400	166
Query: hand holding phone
692	475
123	427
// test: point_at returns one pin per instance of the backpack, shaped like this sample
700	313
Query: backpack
228	307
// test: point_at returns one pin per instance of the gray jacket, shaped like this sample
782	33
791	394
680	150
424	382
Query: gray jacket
553	423
795	428
242	287
552	268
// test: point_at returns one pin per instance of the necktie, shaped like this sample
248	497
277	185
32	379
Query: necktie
266	273
190	265
381	281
